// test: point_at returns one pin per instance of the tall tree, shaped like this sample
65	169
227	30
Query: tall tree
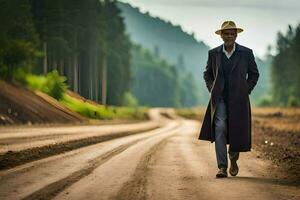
118	54
285	69
18	39
156	83
83	40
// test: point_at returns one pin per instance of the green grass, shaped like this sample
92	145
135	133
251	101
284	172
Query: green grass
101	112
54	85
191	113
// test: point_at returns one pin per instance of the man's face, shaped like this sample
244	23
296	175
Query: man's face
229	36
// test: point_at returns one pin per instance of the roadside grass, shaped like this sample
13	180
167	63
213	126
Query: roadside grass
103	112
55	86
196	113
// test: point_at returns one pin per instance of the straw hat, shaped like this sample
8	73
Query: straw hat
228	25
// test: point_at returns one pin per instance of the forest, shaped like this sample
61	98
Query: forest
83	40
285	69
87	43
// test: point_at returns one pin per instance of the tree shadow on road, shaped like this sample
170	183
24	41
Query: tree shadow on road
272	181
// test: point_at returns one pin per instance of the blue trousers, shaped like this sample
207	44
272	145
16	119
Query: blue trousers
220	124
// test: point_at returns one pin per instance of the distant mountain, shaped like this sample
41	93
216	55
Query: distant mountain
167	41
181	49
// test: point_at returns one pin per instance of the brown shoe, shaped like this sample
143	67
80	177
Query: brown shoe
234	168
222	173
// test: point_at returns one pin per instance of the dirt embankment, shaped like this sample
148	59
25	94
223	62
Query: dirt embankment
20	105
276	134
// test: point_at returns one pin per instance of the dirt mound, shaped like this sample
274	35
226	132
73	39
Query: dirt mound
20	105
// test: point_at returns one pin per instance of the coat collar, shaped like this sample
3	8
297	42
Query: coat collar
237	47
232	51
235	59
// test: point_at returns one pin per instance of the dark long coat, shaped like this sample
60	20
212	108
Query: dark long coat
242	79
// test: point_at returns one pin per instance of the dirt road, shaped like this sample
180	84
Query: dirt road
162	164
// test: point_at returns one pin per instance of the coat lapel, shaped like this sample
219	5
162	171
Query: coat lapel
235	60
219	59
237	57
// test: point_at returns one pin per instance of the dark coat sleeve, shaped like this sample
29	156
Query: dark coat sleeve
208	73
253	72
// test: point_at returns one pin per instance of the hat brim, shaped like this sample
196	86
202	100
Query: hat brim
239	30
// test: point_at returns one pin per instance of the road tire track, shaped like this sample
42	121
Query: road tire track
136	187
12	159
51	190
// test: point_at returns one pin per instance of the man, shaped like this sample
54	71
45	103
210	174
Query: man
228	115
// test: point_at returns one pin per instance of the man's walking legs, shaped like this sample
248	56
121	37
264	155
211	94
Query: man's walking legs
220	134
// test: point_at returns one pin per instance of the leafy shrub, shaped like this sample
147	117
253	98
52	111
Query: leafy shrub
293	101
266	101
52	84
129	100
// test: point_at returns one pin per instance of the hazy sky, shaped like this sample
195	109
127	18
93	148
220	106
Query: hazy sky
260	19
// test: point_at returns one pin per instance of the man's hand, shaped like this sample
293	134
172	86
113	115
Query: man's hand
253	73
208	73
